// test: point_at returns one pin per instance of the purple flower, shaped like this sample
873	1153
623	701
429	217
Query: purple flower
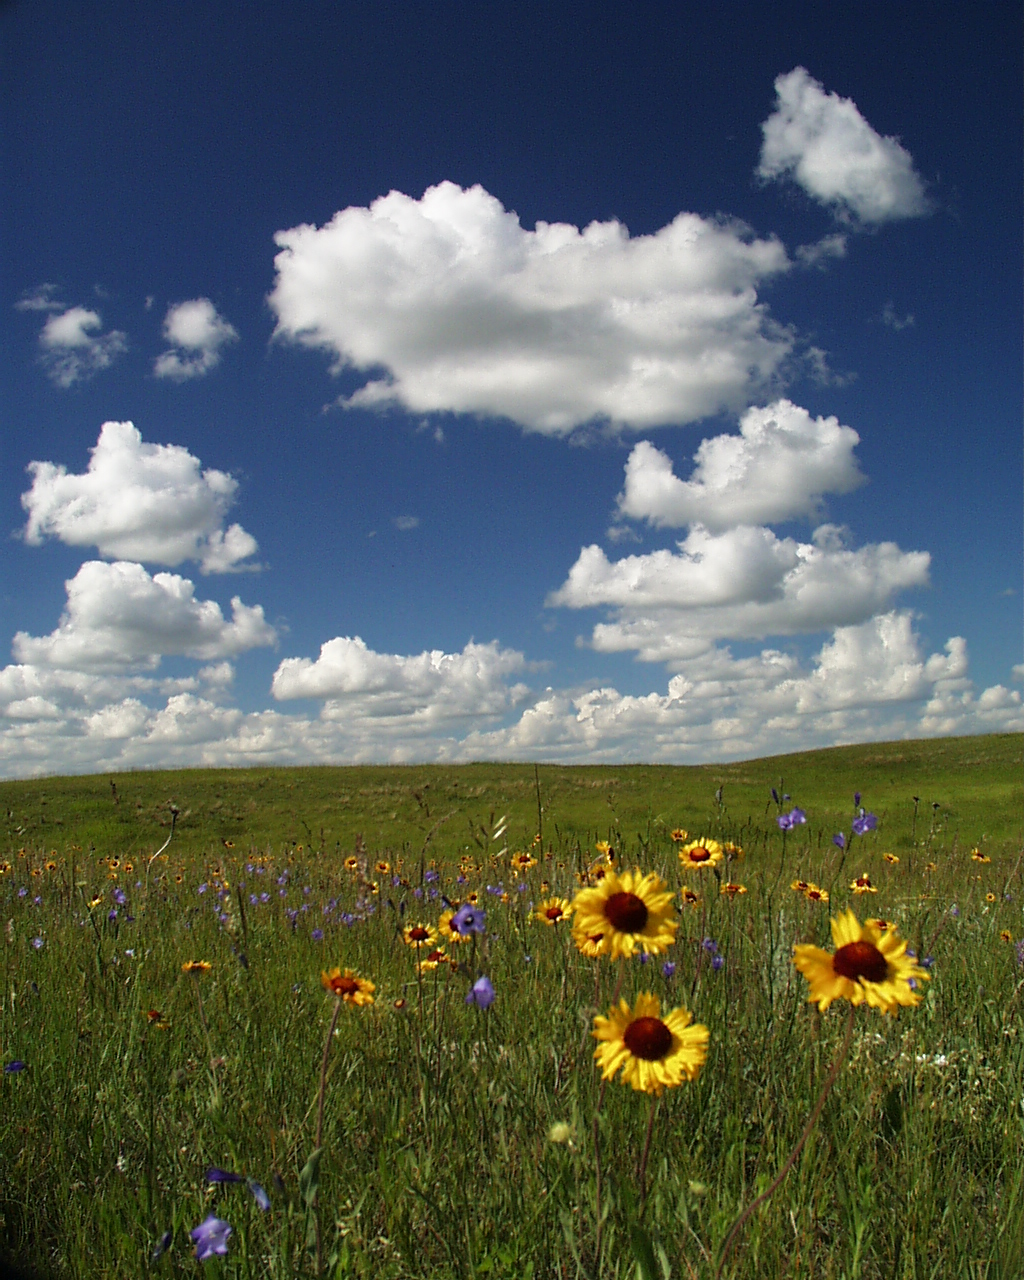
162	1245
775	795
202	888
213	1174
22	892
927	962
283	879
264	897
1020	954
644	957
710	945
120	897
460	878
37	943
396	881
856	799
112	913
468	919
522	886
348	919
305	889
481	993
211	1236
417	892
863	823
668	968
259	1195
954	911
317	935
430	876
253	900
787	821
839	839
12	1068
717	962
282	893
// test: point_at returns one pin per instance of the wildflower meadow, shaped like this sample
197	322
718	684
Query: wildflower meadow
749	1020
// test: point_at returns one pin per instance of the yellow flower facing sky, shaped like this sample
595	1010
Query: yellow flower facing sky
631	912
553	911
348	986
699	854
419	935
732	890
196	966
653	1053
869	966
863	885
813	893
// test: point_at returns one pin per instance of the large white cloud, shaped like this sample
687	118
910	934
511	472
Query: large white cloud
197	333
432	685
778	467
118	618
745	583
867	683
467	311
824	143
139	501
72	346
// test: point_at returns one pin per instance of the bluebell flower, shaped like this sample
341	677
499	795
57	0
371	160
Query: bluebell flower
264	897
710	945
717	962
644	957
120	897
211	1236
305	889
162	1245
775	795
863	823
22	892
417	892
317	935
668	968
202	888
468	919
259	1195
37	943
954	911
112	913
839	839
927	962
430	876
481	993
856	799
12	1068
348	919
522	886
214	1174
254	901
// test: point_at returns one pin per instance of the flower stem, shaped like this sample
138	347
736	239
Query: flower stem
811	1121
323	1074
640	1177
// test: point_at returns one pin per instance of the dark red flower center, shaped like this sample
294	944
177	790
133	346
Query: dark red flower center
344	986
648	1038
860	960
626	912
418	933
436	956
554	913
700	854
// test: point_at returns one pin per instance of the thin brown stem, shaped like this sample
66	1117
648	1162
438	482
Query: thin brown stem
597	1175
811	1121
641	1174
323	1074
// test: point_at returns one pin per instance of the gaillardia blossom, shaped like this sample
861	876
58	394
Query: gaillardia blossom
419	935
553	911
654	1053
869	966
630	912
348	986
702	853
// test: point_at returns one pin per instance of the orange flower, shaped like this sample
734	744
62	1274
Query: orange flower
348	986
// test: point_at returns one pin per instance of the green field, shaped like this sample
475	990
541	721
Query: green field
437	1157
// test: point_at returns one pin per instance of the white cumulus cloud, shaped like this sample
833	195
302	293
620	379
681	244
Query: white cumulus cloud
778	467
73	348
197	333
744	583
431	687
138	501
824	143
118	618
467	311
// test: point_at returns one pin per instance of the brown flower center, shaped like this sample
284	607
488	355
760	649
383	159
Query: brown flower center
860	960
626	912
700	854
647	1038
436	956
344	987
554	913
418	933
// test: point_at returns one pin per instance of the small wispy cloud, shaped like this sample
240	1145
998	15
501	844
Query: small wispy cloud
197	333
39	299
73	346
406	522
892	321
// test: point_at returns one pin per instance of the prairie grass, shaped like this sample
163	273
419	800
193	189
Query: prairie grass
459	1141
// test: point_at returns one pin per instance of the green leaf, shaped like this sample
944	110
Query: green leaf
643	1251
309	1178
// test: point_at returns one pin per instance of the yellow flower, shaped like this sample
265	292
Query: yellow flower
522	862
990	897
553	911
880	923
51	865
432	959
383	867
890	858
196	966
800	886
702	853
445	927
95	902
419	935
813	894
654	1053
351	863
978	856
588	944
689	896
732	851
679	835
605	850
731	889
1005	935
632	912
348	986
868	966
596	872
931	866
863	885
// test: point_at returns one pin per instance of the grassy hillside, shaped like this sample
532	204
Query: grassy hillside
969	790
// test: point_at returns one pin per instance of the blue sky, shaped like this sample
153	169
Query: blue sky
560	382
